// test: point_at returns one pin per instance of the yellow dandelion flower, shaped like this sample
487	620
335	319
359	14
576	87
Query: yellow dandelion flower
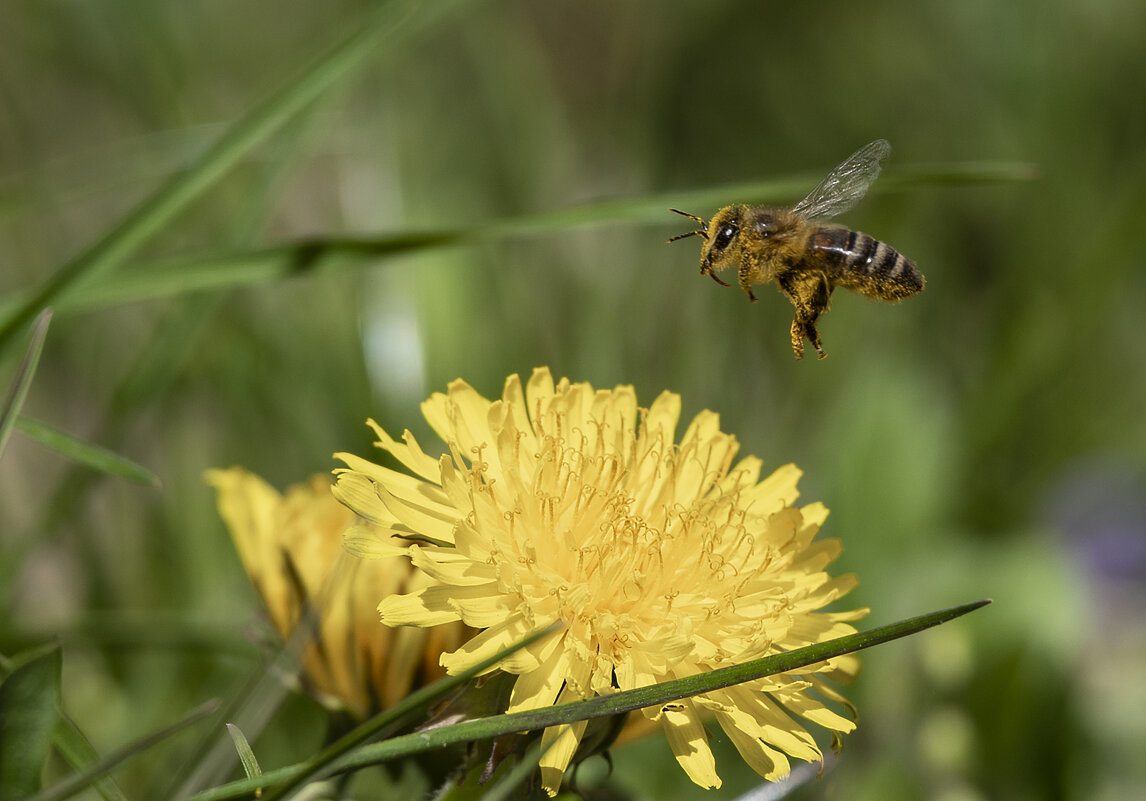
291	547
662	559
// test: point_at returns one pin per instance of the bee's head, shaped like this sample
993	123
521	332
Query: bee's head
722	245
721	237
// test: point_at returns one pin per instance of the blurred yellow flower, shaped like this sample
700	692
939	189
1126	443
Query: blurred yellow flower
291	547
663	560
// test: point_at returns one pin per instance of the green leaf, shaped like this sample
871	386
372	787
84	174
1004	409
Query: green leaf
86	453
601	706
29	710
23	380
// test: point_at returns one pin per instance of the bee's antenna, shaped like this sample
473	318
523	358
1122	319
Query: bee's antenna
702	233
700	220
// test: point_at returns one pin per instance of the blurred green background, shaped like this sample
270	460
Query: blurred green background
984	439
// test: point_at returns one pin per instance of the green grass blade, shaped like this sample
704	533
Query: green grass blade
775	191
246	755
306	257
604	706
10	412
226	271
601	706
86	453
155	212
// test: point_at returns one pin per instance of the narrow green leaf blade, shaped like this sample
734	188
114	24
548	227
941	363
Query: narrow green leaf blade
23	380
653	695
602	706
29	710
246	755
86	453
220	271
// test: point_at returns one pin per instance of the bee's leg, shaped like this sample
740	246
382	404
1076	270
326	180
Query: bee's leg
814	337
744	273
818	302
711	273
791	290
810	295
797	334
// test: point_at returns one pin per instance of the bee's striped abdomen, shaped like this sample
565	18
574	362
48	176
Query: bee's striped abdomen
864	264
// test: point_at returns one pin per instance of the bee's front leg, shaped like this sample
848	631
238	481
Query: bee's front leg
711	273
744	273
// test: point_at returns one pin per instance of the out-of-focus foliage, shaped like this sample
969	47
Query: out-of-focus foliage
983	439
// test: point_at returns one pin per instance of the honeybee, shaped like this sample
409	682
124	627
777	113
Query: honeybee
808	258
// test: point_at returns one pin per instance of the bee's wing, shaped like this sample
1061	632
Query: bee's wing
846	184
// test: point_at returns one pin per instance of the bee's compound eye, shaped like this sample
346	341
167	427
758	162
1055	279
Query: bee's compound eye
725	236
